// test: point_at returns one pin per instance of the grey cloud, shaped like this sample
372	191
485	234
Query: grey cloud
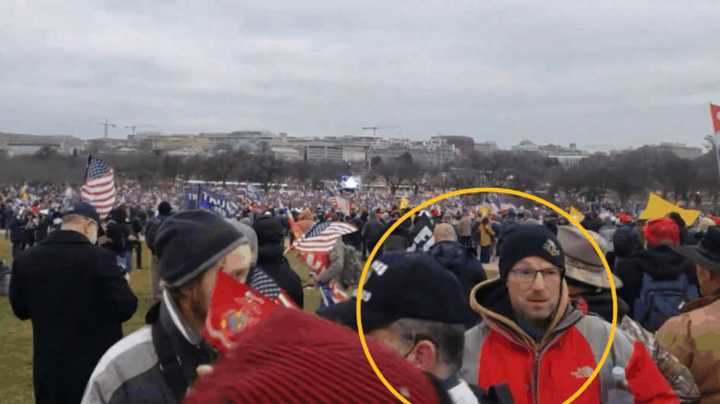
626	72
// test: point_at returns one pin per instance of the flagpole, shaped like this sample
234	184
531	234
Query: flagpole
87	167
717	151
197	203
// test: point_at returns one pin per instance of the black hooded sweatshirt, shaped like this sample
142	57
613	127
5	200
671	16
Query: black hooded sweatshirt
661	263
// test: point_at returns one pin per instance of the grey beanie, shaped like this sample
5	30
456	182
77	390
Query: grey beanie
191	242
250	234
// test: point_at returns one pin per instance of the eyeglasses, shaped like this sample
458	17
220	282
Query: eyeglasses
415	339
527	275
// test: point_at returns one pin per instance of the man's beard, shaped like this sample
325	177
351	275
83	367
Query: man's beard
197	305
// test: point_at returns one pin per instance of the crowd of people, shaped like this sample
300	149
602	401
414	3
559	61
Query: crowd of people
462	304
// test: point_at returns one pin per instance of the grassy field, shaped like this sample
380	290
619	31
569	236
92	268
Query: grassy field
16	336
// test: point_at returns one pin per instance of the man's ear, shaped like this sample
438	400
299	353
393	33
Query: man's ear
424	356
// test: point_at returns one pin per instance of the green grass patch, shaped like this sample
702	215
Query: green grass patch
16	336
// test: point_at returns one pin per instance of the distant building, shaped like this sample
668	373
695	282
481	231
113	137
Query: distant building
286	153
526	146
324	152
172	144
566	156
567	160
681	150
354	154
15	144
246	140
485	147
429	153
464	144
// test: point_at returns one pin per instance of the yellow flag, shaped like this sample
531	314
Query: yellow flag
576	214
23	193
404	203
658	207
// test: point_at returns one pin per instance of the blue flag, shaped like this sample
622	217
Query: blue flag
211	201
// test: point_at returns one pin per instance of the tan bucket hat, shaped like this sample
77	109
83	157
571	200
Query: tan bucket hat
582	263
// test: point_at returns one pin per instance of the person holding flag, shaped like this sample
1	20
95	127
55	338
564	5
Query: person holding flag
271	237
322	249
159	362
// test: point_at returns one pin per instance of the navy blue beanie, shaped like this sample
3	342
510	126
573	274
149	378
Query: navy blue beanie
191	242
529	240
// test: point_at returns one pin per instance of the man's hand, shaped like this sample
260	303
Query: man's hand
204	370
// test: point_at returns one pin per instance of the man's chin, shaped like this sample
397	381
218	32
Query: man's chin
539	314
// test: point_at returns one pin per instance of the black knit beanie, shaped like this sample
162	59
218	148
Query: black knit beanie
191	242
529	240
164	208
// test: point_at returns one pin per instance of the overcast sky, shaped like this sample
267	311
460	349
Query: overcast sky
614	73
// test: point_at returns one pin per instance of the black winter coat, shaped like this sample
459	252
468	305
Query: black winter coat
466	268
274	263
76	297
660	262
17	230
372	231
458	260
118	234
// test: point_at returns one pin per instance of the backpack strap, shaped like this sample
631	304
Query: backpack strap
169	362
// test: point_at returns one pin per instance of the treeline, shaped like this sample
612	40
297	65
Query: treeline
621	176
148	167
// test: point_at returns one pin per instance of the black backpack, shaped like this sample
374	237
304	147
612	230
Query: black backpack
661	299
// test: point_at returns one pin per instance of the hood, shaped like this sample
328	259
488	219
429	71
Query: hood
270	252
118	215
701	302
626	241
451	254
601	304
663	262
491	300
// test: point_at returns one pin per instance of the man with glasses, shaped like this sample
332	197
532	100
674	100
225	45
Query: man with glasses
414	306
76	297
533	339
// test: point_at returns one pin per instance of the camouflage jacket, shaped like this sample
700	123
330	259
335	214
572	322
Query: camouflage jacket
678	375
694	338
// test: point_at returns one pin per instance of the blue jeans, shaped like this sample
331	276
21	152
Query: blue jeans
124	261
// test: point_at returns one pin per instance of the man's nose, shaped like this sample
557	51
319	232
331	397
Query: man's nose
538	282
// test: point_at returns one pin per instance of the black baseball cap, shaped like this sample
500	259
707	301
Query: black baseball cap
84	209
404	285
707	253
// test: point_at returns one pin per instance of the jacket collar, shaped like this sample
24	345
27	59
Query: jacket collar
702	302
66	237
171	317
492	301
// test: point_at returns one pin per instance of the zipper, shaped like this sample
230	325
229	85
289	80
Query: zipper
535	378
535	383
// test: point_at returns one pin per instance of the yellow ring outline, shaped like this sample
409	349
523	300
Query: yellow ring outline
466	191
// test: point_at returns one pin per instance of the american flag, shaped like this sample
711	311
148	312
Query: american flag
314	249
99	188
340	204
322	236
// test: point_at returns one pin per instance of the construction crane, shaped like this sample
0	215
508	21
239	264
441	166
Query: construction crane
107	124
133	127
374	129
